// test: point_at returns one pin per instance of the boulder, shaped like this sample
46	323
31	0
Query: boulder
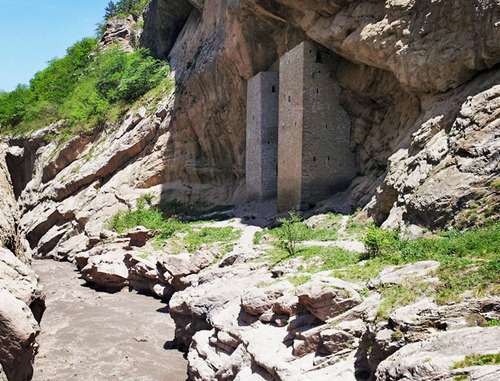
435	358
335	340
18	331
404	275
423	318
19	280
328	297
107	271
277	298
139	236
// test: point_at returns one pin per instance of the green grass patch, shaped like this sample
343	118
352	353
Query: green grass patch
469	260
293	230
258	236
197	237
396	296
476	359
493	323
360	272
315	258
297	280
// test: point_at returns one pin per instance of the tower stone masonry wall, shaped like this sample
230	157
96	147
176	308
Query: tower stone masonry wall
314	159
298	134
291	106
262	136
328	165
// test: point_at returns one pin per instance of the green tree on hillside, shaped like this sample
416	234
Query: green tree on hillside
110	10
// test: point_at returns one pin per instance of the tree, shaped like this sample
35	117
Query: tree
292	230
111	10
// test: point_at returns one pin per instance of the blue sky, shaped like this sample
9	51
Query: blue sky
35	31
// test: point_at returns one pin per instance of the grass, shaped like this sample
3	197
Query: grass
297	280
478	360
360	272
493	323
469	260
315	258
151	217
397	296
292	231
258	236
197	237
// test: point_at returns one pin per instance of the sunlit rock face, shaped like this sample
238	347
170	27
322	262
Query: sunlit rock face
417	81
406	69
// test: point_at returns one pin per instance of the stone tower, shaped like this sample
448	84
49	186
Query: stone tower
262	136
314	159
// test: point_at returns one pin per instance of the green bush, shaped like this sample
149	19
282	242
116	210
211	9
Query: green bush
86	87
291	231
379	242
125	77
13	105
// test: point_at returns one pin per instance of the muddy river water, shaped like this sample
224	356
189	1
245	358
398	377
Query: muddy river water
90	335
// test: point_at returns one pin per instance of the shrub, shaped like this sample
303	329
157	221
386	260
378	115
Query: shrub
85	87
292	230
125	77
378	241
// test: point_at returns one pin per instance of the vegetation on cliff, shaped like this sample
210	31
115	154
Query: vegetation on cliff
86	87
124	8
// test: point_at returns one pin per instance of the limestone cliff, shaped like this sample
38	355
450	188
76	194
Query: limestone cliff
407	71
419	81
22	301
420	91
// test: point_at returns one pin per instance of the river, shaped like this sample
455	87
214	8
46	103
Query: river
90	335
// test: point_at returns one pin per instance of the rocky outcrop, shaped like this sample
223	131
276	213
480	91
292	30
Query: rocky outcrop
419	82
258	328
10	234
124	32
22	304
403	75
74	188
434	359
424	137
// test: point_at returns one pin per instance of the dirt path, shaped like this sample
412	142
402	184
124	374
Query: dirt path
89	335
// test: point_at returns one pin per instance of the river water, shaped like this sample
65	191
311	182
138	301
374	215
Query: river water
90	335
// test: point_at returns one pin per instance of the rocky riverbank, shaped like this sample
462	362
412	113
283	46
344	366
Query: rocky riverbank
91	335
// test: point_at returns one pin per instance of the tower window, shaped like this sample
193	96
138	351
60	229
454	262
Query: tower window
318	57
317	91
314	158
289	99
273	89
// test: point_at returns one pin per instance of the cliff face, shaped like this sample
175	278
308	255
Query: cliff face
419	81
406	72
22	301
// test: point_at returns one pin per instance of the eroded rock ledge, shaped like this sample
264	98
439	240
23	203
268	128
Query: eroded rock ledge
236	320
419	81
